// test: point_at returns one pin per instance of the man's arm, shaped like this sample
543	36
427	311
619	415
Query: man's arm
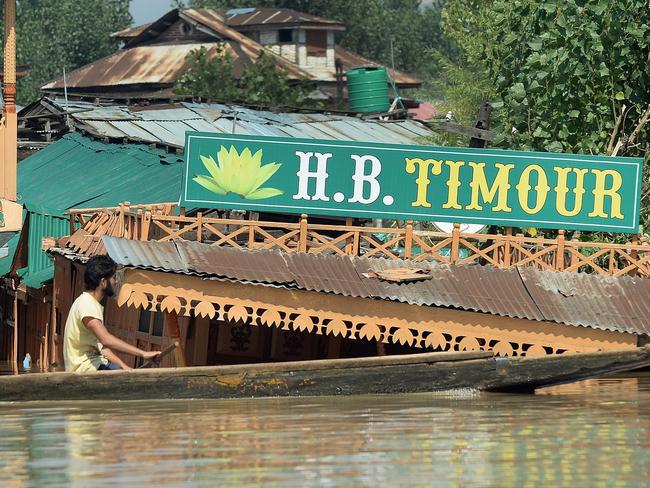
107	339
114	358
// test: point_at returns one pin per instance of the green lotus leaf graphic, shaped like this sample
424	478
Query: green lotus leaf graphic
242	174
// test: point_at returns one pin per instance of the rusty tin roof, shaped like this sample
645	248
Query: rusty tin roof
144	61
166	124
607	303
282	17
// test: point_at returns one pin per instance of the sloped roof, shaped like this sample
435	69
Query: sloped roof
131	32
78	171
167	124
599	302
142	63
163	64
279	17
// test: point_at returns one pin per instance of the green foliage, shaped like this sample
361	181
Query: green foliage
64	34
561	71
390	32
263	83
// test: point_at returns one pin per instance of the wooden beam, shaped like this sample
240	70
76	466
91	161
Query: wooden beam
473	132
174	333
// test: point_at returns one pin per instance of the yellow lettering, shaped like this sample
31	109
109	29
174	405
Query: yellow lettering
453	183
600	192
480	187
422	181
562	189
542	189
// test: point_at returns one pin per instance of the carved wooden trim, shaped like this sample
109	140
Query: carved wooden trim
327	314
500	250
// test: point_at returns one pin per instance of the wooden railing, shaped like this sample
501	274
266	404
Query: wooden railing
404	242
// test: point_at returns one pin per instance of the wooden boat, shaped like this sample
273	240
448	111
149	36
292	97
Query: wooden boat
375	375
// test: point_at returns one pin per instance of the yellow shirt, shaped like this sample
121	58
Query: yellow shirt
80	346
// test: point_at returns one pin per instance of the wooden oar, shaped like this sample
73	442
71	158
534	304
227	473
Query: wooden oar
158	358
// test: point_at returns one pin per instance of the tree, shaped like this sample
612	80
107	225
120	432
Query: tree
263	83
561	71
568	76
64	34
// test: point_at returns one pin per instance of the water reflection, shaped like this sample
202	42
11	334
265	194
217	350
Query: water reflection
592	433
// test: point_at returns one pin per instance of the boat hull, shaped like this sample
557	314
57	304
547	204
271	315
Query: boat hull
378	375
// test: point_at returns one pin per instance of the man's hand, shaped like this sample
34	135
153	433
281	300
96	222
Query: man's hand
150	355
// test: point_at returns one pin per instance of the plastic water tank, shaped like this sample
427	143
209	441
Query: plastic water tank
368	89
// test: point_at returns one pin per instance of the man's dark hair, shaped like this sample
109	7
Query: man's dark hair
98	267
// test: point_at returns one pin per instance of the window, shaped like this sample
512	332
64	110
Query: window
285	36
153	325
316	41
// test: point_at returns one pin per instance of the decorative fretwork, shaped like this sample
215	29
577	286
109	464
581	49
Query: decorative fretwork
404	241
515	338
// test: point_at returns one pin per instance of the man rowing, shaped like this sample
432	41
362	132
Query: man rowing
87	344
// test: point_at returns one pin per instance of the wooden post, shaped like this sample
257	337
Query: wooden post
52	348
483	122
8	119
302	244
349	243
144	227
72	226
199	227
507	248
408	239
455	244
251	235
634	254
575	248
559	254
14	355
174	332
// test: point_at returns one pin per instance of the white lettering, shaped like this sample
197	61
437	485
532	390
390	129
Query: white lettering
304	175
360	178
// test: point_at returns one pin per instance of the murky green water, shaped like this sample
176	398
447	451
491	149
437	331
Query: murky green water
595	433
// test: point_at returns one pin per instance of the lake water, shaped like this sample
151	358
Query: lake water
593	433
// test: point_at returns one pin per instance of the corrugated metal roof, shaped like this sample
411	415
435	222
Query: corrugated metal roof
159	65
608	303
167	124
79	171
163	64
230	265
139	62
586	299
240	17
42	222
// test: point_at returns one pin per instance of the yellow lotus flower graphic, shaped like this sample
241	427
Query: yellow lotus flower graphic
242	174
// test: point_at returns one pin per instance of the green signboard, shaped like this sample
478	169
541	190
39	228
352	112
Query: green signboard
318	177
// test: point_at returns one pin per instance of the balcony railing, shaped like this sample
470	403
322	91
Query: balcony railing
402	242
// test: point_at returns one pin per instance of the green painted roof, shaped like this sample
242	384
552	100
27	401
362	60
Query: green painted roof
43	222
77	171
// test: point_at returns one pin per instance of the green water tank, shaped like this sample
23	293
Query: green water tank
368	89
